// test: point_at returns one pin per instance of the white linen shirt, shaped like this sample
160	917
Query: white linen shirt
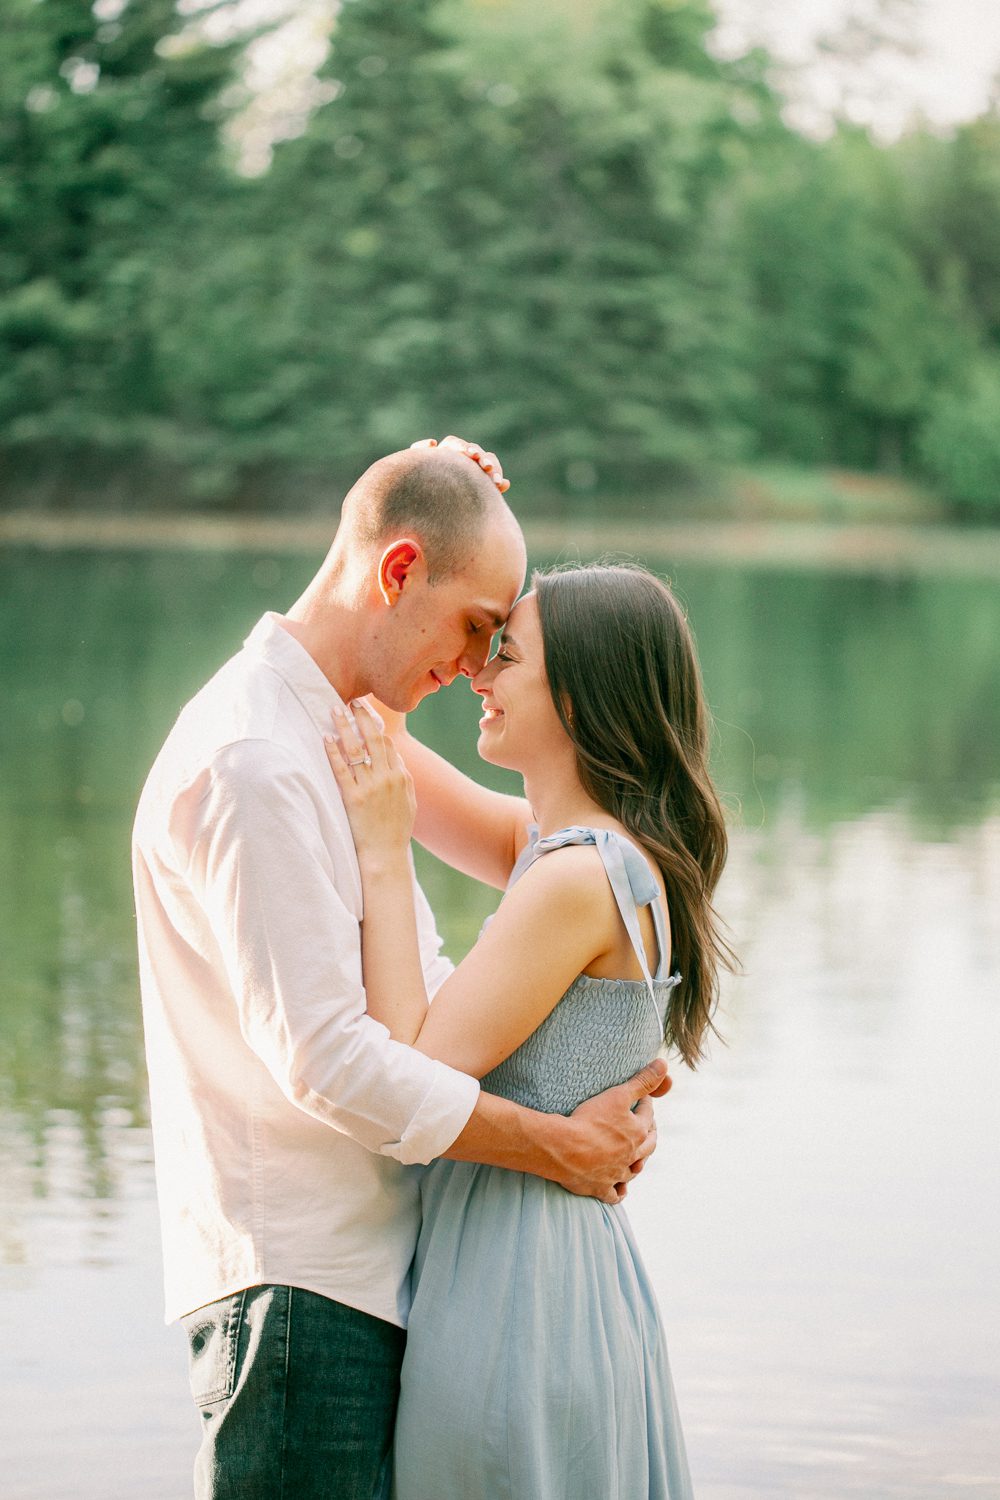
282	1113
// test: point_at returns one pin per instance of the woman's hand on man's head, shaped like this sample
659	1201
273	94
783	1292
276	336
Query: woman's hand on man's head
488	462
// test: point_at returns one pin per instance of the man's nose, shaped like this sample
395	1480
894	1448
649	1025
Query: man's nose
474	658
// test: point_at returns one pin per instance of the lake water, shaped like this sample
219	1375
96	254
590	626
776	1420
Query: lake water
823	1216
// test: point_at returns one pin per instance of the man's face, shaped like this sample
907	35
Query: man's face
434	633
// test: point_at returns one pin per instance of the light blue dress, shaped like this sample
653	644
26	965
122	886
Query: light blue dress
536	1366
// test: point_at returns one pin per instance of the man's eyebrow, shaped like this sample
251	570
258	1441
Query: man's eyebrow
493	616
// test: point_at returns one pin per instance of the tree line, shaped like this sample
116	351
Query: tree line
598	248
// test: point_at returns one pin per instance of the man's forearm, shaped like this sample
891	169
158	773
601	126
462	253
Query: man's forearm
501	1133
595	1151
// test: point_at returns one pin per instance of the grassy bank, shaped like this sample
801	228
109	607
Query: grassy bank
788	492
766	515
872	547
761	491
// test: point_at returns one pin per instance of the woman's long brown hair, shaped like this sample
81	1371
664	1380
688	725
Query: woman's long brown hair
625	681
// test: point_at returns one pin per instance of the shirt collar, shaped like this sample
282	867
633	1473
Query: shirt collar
270	642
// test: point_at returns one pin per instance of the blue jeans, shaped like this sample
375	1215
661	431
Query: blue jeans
297	1395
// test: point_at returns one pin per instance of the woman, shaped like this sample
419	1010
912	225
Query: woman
535	1364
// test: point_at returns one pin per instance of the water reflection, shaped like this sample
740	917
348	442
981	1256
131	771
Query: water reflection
836	698
820	1236
822	1230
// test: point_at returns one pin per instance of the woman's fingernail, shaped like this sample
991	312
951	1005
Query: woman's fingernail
372	713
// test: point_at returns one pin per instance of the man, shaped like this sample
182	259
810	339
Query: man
283	1115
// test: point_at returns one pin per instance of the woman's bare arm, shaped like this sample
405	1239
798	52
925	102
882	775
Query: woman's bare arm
470	827
513	978
555	922
559	918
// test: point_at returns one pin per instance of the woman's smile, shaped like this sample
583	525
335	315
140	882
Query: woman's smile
513	683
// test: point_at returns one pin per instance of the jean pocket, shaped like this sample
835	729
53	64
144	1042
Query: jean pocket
213	1345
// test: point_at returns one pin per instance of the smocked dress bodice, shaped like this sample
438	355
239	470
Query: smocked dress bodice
602	1031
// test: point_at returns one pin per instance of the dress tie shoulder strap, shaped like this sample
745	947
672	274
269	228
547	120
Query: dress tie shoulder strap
632	884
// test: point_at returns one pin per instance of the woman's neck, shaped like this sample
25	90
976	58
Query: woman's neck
559	801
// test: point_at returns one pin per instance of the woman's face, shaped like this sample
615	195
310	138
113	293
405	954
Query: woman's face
519	728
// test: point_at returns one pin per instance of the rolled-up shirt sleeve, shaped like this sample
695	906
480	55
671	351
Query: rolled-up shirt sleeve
250	835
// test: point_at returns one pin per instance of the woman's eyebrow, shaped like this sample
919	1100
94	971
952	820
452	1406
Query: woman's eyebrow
508	640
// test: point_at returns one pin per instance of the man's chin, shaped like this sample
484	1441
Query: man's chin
406	699
402	698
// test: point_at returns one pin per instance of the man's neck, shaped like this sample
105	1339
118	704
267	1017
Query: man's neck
328	644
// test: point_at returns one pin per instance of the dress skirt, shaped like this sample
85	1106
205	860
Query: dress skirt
536	1366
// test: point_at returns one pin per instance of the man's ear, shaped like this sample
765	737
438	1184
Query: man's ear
395	566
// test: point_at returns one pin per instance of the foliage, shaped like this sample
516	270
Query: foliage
572	231
960	441
109	158
852	338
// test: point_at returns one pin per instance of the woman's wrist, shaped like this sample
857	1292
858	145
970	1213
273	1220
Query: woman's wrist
385	862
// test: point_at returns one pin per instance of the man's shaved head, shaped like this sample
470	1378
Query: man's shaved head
425	566
439	497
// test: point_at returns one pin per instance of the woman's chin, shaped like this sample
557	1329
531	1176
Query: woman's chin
488	750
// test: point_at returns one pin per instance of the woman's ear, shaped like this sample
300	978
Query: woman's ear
395	566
